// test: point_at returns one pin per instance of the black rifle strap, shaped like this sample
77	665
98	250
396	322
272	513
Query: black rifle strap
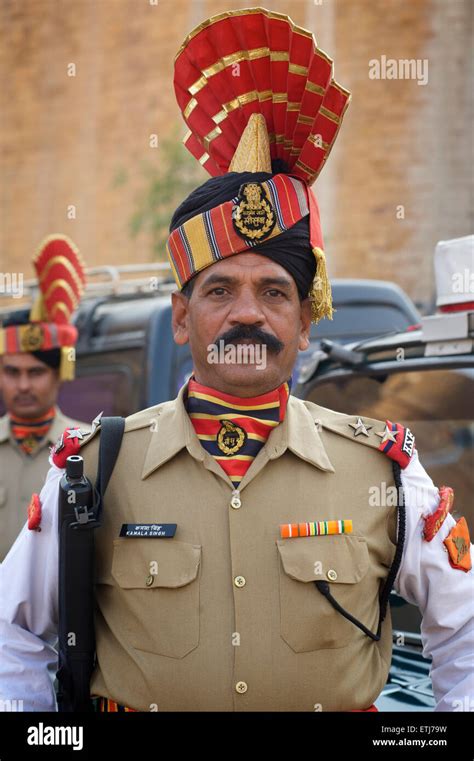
111	432
76	583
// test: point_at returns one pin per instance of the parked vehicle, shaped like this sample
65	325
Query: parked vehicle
424	379
127	359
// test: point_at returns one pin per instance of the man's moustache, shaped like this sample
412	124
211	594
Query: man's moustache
252	332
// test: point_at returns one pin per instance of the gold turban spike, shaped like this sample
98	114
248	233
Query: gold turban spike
253	150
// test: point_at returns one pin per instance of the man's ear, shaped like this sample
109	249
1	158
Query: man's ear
179	320
305	317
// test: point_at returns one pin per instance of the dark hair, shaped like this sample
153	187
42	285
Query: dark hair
188	289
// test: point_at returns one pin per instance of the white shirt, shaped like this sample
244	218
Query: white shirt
444	595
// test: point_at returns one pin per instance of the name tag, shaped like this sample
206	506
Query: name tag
148	530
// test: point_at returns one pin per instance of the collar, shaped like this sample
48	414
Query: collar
58	425
278	396
298	432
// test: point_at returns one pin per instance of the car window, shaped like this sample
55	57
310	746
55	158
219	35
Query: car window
361	320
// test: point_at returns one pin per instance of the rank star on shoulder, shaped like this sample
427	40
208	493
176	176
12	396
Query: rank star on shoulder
360	428
387	435
76	433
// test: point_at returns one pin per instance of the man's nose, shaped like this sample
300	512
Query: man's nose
246	309
23	382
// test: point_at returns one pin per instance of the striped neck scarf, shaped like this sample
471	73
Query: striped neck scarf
233	429
29	432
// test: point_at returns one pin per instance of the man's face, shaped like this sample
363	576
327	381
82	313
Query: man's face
244	300
29	386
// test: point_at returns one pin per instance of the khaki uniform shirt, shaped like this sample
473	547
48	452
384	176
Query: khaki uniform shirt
22	474
225	615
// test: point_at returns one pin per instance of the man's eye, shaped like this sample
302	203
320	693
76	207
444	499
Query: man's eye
219	291
275	292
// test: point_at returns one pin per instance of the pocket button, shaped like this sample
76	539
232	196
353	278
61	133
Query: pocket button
332	575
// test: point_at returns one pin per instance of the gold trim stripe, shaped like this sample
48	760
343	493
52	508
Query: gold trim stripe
309	170
295	68
211	136
306	119
312	87
329	115
189	108
62	308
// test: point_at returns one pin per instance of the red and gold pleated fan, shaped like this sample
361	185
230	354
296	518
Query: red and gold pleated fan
61	279
251	61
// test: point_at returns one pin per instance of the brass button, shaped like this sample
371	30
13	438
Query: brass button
239	581
332	575
241	687
149	580
235	502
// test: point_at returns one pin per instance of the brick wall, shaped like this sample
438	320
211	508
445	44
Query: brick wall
83	140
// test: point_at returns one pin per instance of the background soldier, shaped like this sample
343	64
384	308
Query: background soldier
36	354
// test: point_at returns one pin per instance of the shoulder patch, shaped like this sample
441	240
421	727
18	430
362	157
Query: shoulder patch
434	521
393	439
458	544
34	513
68	444
397	442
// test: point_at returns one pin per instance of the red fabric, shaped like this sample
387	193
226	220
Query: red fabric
71	447
57	261
34	513
206	85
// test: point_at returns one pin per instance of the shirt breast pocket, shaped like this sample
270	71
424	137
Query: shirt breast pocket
158	583
307	619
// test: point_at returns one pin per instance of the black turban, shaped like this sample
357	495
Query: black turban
51	357
291	249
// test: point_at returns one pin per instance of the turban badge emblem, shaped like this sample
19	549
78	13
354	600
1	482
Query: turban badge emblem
253	215
32	338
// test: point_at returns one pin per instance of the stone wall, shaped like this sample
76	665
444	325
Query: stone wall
83	140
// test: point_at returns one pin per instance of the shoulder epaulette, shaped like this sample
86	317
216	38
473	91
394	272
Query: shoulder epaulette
393	439
142	419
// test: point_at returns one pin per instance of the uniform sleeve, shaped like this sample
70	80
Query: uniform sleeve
28	611
444	595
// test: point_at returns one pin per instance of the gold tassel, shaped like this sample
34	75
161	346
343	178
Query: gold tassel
67	363
320	294
38	310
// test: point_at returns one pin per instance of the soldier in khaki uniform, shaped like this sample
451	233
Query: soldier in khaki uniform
35	356
239	564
